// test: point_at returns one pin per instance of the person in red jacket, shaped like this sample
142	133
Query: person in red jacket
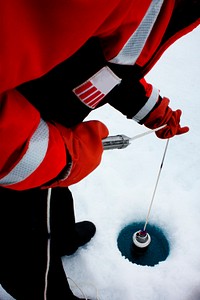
59	61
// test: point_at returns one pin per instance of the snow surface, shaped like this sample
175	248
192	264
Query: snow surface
119	192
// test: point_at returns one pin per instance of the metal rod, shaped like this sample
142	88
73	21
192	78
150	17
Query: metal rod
154	192
121	141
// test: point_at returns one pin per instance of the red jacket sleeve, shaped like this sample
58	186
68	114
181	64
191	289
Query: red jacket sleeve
33	151
36	153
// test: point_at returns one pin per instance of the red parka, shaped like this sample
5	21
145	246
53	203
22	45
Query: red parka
35	37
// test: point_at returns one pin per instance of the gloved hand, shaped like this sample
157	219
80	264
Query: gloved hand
163	114
84	145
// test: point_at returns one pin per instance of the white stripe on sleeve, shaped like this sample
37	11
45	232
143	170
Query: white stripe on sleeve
32	158
148	105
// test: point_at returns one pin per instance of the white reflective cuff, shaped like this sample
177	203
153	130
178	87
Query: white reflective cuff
148	106
32	158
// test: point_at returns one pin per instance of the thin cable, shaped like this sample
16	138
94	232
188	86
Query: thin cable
48	254
161	165
78	287
48	242
146	132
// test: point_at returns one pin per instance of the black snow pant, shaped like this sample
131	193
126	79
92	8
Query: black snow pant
24	236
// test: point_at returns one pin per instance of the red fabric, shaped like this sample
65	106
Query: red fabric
157	33
18	121
120	25
84	143
36	35
162	115
54	161
147	86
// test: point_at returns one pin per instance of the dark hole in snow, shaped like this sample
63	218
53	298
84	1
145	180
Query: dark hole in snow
155	252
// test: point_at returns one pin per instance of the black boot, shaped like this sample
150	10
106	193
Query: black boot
66	235
84	231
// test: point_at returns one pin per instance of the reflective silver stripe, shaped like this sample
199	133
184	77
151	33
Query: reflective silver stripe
148	106
133	47
32	158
